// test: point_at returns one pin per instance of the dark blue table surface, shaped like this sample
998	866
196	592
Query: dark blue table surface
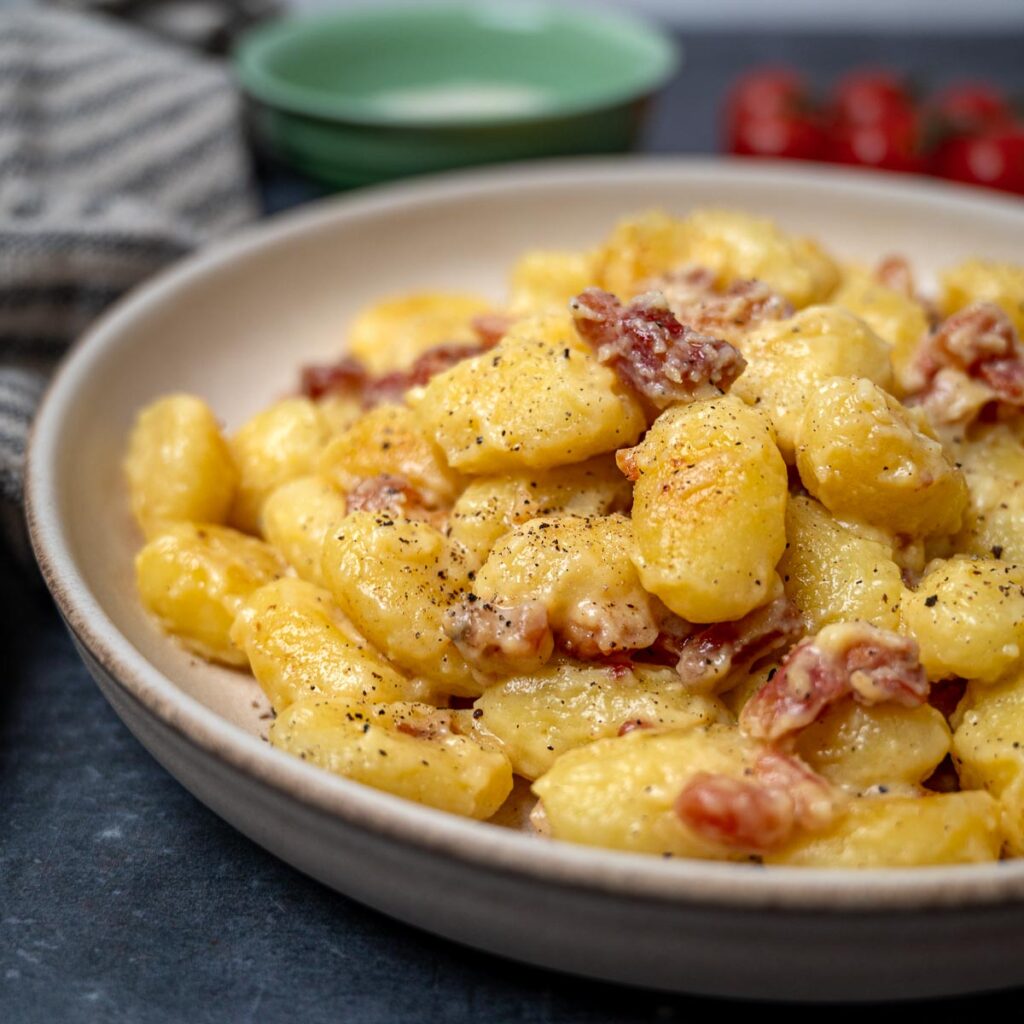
124	899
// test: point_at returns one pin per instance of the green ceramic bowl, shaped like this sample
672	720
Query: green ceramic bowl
361	96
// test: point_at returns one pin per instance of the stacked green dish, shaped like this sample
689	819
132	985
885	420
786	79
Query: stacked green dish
361	96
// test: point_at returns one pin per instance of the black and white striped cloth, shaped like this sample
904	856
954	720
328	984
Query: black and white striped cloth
118	153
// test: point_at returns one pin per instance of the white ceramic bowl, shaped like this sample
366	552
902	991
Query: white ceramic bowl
233	324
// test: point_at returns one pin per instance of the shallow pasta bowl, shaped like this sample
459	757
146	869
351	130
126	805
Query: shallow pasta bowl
233	324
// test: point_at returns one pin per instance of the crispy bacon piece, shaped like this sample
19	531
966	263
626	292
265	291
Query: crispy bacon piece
894	272
761	811
694	299
872	665
496	640
673	633
972	359
652	352
389	493
346	376
709	655
349	376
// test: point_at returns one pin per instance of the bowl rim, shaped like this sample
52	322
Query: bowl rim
478	844
252	52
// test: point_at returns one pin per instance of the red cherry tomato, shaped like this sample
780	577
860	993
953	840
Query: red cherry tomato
792	136
970	106
994	158
892	143
768	114
764	93
870	97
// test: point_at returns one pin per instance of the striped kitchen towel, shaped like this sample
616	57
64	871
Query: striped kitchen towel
118	153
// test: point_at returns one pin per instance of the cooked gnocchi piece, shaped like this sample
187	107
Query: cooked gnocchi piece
544	281
881	749
388	441
567	579
275	446
396	579
538	717
407	749
705	791
833	572
788	359
491	506
896	317
967	616
194	579
709	509
903	832
299	644
865	457
991	456
296	519
715	547
732	244
988	746
538	399
179	467
739	246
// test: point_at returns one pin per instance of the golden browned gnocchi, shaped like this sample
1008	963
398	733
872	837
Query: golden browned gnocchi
788	359
709	509
539	399
732	244
490	506
693	545
388	441
738	246
864	456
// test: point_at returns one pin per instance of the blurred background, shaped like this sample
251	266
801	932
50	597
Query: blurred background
916	15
